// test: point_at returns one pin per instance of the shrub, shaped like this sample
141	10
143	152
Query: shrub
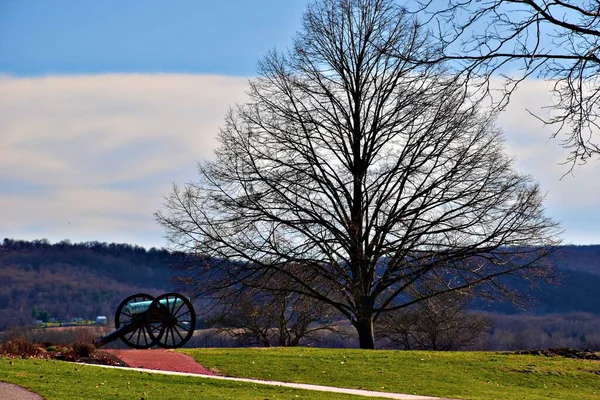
83	349
18	346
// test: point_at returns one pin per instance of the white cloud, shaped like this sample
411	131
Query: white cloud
91	157
572	198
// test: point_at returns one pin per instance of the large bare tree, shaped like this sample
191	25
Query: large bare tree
558	40
359	175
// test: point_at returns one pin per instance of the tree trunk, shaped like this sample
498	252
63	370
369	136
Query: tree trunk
366	335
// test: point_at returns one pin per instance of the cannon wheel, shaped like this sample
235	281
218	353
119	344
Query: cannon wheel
171	320
139	338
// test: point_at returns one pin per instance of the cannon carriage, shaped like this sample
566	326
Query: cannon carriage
142	321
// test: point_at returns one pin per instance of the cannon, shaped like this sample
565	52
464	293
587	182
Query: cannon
142	321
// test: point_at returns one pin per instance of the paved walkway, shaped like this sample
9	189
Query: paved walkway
160	359
357	392
8	391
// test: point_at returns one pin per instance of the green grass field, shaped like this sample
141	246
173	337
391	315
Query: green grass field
460	375
463	375
58	380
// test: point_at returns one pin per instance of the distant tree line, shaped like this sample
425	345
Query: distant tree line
39	280
503	333
576	330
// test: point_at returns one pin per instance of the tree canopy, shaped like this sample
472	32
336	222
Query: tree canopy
358	174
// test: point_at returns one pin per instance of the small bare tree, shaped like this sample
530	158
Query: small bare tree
269	319
557	40
438	323
358	175
278	317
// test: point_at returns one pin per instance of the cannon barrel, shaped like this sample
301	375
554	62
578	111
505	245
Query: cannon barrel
142	306
116	334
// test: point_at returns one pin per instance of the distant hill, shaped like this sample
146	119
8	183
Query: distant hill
579	259
579	282
82	280
577	270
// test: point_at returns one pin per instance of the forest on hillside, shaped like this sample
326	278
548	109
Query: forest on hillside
75	280
68	280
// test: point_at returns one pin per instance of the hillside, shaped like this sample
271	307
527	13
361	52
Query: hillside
88	279
576	279
75	280
579	259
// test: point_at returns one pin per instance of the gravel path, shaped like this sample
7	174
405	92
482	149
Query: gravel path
8	391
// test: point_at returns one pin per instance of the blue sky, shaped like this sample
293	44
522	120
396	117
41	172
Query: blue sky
39	37
105	104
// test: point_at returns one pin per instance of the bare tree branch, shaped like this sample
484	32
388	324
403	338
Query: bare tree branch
558	40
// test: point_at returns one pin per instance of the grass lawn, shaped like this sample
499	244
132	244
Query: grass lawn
59	380
463	375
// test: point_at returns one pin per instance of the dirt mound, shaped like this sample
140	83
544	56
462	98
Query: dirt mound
101	357
562	352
